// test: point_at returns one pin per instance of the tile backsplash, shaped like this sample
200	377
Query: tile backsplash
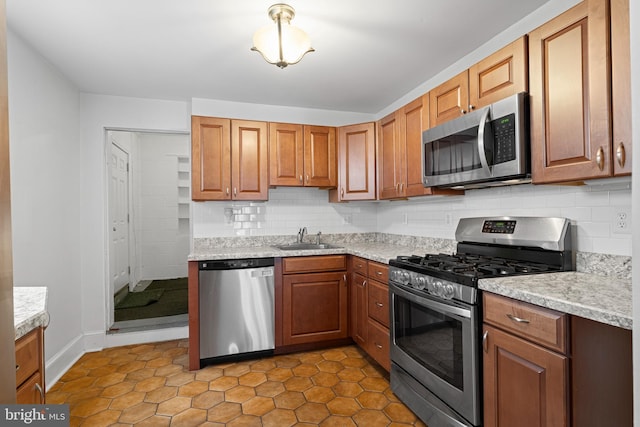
593	210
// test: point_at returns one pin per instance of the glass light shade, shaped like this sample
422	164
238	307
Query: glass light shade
295	44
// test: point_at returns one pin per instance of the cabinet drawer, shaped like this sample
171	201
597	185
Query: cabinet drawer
541	325
378	302
314	264
27	356
28	393
379	272
359	265
378	344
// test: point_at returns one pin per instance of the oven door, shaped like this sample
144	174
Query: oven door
436	342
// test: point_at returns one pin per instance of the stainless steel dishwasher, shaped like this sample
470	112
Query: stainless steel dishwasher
237	318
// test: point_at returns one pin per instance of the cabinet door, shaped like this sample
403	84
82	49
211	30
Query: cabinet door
569	96
210	158
449	100
31	391
391	158
314	307
525	385
358	309
357	163
378	302
249	159
499	75
286	154
320	156
621	87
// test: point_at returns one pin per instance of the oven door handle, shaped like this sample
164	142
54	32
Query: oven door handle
429	303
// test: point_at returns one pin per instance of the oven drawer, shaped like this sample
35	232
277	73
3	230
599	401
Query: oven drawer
378	302
378	344
540	325
379	272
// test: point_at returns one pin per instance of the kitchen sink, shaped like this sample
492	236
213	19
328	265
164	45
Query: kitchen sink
307	246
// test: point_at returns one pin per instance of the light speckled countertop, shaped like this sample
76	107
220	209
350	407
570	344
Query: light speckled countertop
605	299
29	309
596	296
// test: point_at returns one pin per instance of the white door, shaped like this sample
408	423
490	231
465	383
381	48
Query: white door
119	218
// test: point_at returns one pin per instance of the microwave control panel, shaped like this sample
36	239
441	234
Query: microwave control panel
504	134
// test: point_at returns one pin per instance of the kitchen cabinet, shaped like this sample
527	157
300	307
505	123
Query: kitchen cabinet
302	155
356	163
621	87
497	76
399	152
314	299
526	367
228	159
369	309
30	368
570	96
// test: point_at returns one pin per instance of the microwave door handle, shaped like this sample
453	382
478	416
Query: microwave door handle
481	153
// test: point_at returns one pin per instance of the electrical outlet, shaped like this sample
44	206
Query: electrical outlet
621	221
347	219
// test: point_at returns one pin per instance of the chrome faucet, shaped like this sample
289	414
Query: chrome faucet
301	234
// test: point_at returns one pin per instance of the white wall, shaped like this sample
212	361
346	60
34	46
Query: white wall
45	149
164	245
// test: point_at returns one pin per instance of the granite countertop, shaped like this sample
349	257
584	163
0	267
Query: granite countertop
604	299
594	296
29	309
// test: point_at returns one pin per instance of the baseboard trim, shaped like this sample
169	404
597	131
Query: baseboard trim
143	337
60	363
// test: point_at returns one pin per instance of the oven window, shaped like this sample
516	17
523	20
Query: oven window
431	338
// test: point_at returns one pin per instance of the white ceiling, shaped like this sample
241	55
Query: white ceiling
368	53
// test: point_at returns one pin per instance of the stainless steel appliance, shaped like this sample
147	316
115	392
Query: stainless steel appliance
489	146
435	310
237	317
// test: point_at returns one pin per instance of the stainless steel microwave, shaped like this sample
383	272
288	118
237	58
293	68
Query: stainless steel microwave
487	147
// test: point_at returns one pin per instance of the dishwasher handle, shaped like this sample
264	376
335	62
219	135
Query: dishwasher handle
235	264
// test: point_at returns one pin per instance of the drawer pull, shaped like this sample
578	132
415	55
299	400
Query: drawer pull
379	304
600	158
485	341
364	283
517	319
379	346
379	273
41	391
17	368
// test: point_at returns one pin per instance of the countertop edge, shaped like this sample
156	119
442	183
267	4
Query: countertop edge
30	309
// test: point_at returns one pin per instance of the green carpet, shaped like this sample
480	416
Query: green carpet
173	301
140	299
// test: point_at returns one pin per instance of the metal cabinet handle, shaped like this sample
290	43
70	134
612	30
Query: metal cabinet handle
485	341
379	273
379	346
342	192
227	191
621	154
471	107
600	158
463	111
301	178
517	319
17	368
307	178
41	391
344	276
235	191
364	283
379	304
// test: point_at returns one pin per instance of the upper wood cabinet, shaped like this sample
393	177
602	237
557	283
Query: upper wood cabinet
228	159
356	163
570	98
399	157
498	76
302	155
621	86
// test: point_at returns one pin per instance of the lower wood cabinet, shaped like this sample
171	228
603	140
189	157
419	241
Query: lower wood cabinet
369	308
525	383
30	368
314	299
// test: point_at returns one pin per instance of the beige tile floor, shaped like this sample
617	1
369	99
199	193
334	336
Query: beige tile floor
150	385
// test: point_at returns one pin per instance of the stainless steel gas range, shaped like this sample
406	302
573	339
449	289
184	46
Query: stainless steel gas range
436	366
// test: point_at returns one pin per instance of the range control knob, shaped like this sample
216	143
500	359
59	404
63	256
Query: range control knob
449	292
421	283
439	289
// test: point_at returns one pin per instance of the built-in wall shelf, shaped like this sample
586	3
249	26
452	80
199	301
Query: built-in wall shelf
184	193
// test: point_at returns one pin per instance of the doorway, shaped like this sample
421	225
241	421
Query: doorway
149	229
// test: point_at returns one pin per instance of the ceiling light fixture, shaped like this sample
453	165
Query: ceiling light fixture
283	44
